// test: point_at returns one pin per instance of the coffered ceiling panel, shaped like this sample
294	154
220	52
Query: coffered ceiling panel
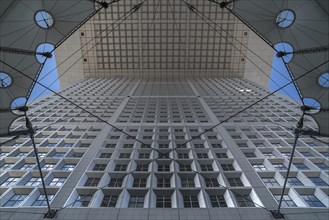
164	36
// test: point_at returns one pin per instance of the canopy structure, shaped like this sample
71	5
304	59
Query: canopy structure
25	28
302	27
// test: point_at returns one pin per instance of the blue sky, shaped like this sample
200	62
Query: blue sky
47	77
279	74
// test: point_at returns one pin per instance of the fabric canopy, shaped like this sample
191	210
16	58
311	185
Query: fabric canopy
304	26
24	26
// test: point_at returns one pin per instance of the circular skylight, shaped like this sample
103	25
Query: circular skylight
314	104
44	19
5	80
285	18
324	80
19	102
285	48
43	48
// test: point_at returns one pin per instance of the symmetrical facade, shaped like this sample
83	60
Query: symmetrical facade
163	157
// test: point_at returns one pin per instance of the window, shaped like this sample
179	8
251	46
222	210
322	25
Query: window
10	181
326	154
191	202
242	145
259	167
144	155
22	154
41	155
249	155
163	182
68	167
92	181
269	181
312	201
286	154
42	201
15	200
109	201
279	166
77	154
322	166
106	155
33	182
187	182
318	181
136	202
218	201
206	167
139	182
124	155
163	202
259	145
7	166
198	146
185	167
306	154
244	201
163	167
58	155
227	167
182	155
202	155
115	182
120	167
301	166
99	167
286	201
57	181
294	181
142	167
48	167
110	146
216	145
128	146
82	201
211	182
235	181
269	155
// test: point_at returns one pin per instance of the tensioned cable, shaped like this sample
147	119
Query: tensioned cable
197	12
327	143
100	34
5	142
264	39
106	123
65	37
196	136
134	9
242	110
207	130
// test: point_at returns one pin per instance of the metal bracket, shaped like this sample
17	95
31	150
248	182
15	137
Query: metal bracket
50	213
276	214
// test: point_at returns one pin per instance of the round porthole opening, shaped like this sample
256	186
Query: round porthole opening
5	80
285	50
285	18
43	52
314	104
324	80
44	19
19	102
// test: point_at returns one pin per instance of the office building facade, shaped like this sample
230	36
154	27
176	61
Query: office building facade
171	162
